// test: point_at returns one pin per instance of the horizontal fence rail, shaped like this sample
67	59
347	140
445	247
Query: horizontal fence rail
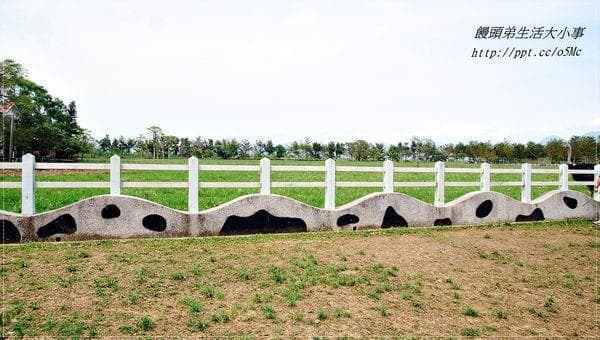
28	182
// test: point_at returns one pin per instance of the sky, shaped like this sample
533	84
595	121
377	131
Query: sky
327	70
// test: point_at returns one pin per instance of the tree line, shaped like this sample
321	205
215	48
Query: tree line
157	144
47	127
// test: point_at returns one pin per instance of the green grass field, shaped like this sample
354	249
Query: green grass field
48	199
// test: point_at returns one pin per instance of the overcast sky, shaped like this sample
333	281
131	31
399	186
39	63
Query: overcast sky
379	70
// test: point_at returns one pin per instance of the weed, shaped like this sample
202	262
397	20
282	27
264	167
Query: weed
269	312
196	270
213	259
210	291
321	314
470	311
126	329
133	297
382	310
549	305
145	324
197	324
537	313
177	276
222	317
243	273
469	332
71	268
193	304
292	295
406	296
277	273
500	314
342	313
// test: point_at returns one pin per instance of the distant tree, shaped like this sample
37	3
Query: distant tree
340	149
330	150
556	151
269	147
359	150
280	151
156	134
585	149
534	151
245	148
105	144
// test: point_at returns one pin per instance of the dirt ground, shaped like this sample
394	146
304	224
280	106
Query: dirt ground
519	280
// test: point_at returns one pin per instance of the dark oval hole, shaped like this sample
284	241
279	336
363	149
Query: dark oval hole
111	211
154	222
570	202
10	233
484	209
347	219
442	222
64	224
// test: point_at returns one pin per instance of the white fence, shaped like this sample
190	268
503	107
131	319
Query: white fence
28	183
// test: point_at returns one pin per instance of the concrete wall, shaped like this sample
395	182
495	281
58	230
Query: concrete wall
117	216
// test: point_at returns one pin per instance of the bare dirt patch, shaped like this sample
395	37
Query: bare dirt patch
521	280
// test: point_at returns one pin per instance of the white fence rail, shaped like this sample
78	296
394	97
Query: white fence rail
28	182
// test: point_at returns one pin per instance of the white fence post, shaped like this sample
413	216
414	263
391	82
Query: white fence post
265	176
485	176
115	175
596	175
388	176
28	185
330	184
193	184
563	177
439	198
526	183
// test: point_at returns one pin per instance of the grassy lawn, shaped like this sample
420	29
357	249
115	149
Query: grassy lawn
48	199
511	280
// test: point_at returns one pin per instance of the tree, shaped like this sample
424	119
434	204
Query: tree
359	150
585	149
155	136
556	151
280	151
43	125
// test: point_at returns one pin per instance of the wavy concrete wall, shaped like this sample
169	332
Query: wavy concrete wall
109	216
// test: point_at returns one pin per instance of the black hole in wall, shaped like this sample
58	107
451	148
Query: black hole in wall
111	211
262	222
154	222
484	209
442	222
570	202
10	233
392	219
347	219
536	215
64	224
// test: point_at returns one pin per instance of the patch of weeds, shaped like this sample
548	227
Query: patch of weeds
406	296
269	312
133	297
277	273
194	305
342	313
213	259
415	288
258	299
470	311
126	329
196	270
373	294
321	314
211	291
382	310
377	267
361	252
500	314
66	282
292	295
570	276
417	304
143	275
469	332
456	295
222	317
549	305
482	254
177	276
22	264
102	283
83	255
243	273
197	324
537	313
71	268
145	324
